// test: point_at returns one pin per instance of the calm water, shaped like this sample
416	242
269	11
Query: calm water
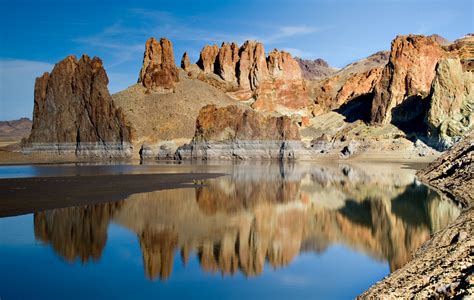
262	231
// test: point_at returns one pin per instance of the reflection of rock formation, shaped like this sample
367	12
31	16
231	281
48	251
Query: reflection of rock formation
76	232
157	248
242	221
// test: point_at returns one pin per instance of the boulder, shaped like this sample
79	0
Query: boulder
159	72
73	111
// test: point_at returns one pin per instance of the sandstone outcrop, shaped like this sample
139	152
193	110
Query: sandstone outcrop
226	62
407	76
338	90
207	58
274	82
451	112
73	111
232	132
356	81
314	69
159	72
185	61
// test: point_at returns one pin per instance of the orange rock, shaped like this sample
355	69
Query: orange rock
159	71
207	58
185	61
408	74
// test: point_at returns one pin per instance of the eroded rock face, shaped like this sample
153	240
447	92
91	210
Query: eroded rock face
234	123
450	115
73	111
159	72
408	75
226	62
185	61
233	132
207	58
252	68
274	82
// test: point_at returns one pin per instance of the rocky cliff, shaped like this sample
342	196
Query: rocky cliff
353	82
406	77
159	72
233	132
450	114
73	111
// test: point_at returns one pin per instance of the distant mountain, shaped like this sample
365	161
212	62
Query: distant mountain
314	69
15	129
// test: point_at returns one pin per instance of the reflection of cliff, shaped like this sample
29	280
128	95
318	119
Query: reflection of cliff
242	221
76	232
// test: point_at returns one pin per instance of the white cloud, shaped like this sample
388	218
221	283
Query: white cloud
295	52
17	80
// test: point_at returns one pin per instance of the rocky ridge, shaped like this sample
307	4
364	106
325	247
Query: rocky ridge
272	84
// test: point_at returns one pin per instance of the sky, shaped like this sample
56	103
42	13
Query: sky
34	35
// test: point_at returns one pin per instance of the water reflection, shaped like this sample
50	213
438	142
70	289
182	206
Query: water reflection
258	215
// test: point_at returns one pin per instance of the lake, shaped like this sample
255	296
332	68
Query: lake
259	231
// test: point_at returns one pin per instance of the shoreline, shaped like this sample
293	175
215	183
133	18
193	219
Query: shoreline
20	195
442	266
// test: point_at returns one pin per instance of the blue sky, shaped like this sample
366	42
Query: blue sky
36	34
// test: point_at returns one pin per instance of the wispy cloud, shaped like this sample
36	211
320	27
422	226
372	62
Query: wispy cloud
124	41
295	52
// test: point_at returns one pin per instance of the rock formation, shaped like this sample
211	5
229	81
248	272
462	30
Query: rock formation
226	62
314	69
275	82
355	81
185	61
338	90
207	58
73	111
407	76
159	72
450	115
233	132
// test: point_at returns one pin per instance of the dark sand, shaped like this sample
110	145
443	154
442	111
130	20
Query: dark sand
28	195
